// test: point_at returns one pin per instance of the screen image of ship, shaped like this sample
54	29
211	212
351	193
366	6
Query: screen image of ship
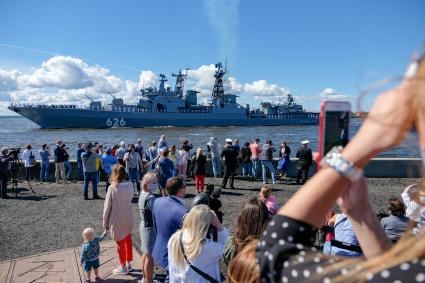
166	107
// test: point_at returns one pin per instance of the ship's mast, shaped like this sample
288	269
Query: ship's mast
218	90
179	82
162	83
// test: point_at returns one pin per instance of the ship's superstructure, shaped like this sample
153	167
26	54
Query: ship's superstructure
163	106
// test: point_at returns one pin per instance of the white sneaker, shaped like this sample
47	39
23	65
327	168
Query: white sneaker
121	270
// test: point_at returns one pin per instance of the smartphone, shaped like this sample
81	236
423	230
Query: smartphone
334	125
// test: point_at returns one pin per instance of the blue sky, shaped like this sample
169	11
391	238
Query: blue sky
271	46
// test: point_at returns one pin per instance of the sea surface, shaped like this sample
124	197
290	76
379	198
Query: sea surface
18	131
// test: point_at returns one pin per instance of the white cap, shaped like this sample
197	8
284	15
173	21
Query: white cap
228	140
305	142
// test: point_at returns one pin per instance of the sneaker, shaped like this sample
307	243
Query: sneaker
128	266
121	270
97	279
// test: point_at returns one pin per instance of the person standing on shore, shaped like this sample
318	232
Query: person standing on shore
305	160
162	143
45	163
5	158
90	171
153	154
140	150
266	158
120	153
59	162
229	154
255	150
68	165
168	215
182	163
133	164
118	217
108	160
198	163
80	150
166	168
29	162
212	149
245	159
174	157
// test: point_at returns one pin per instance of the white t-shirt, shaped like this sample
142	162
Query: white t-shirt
26	156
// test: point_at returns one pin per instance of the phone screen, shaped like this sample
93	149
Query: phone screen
336	129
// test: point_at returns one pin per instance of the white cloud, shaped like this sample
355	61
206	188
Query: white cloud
262	89
147	79
9	80
332	94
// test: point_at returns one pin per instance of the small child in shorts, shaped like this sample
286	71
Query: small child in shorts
89	255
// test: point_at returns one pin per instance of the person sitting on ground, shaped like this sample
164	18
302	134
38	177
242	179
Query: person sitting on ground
245	160
286	250
193	257
147	230
118	217
344	232
89	254
414	200
89	159
120	153
133	165
199	162
269	201
168	214
243	268
251	223
108	160
395	225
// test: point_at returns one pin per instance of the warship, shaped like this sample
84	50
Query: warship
163	106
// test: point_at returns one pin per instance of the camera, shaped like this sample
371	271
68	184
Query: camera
15	151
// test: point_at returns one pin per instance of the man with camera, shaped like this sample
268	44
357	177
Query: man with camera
5	157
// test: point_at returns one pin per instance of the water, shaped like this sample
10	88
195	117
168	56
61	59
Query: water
18	131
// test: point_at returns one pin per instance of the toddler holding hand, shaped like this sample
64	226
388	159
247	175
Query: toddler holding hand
89	255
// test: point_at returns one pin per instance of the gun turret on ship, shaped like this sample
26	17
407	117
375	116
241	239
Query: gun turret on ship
163	106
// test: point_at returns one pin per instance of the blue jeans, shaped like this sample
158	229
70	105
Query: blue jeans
80	170
255	166
44	171
134	176
216	166
29	173
246	168
267	164
68	169
90	176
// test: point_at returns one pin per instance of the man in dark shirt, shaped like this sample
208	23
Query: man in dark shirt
4	171
305	160
60	162
229	156
80	150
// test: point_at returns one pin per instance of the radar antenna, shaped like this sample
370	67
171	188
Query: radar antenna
218	90
162	83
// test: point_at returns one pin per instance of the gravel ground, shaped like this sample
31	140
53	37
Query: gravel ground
54	217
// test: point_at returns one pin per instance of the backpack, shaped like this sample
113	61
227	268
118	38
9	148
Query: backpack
147	213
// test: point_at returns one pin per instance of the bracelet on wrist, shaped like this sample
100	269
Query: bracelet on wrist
342	166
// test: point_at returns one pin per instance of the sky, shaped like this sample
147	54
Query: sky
60	51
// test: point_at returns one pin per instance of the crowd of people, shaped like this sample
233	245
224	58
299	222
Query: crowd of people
94	162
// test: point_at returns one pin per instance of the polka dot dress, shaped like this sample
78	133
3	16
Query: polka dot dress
286	254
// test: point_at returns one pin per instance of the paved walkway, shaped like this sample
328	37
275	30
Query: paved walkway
64	266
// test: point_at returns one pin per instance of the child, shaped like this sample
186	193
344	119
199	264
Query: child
89	255
269	200
198	164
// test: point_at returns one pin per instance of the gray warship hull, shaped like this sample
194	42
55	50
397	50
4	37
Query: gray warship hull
59	118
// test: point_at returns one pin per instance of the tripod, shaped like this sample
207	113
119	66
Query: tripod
15	164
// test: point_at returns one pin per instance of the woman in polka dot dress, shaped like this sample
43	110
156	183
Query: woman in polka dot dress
285	253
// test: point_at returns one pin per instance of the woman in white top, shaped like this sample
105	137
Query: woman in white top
203	254
182	161
29	162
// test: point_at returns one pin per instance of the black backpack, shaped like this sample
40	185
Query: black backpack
147	213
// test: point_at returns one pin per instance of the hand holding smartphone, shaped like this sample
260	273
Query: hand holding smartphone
334	125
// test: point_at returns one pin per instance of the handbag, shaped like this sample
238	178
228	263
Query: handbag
197	270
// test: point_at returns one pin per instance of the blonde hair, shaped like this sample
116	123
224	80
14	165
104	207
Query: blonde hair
410	246
118	174
265	192
88	234
194	230
243	268
199	152
147	180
